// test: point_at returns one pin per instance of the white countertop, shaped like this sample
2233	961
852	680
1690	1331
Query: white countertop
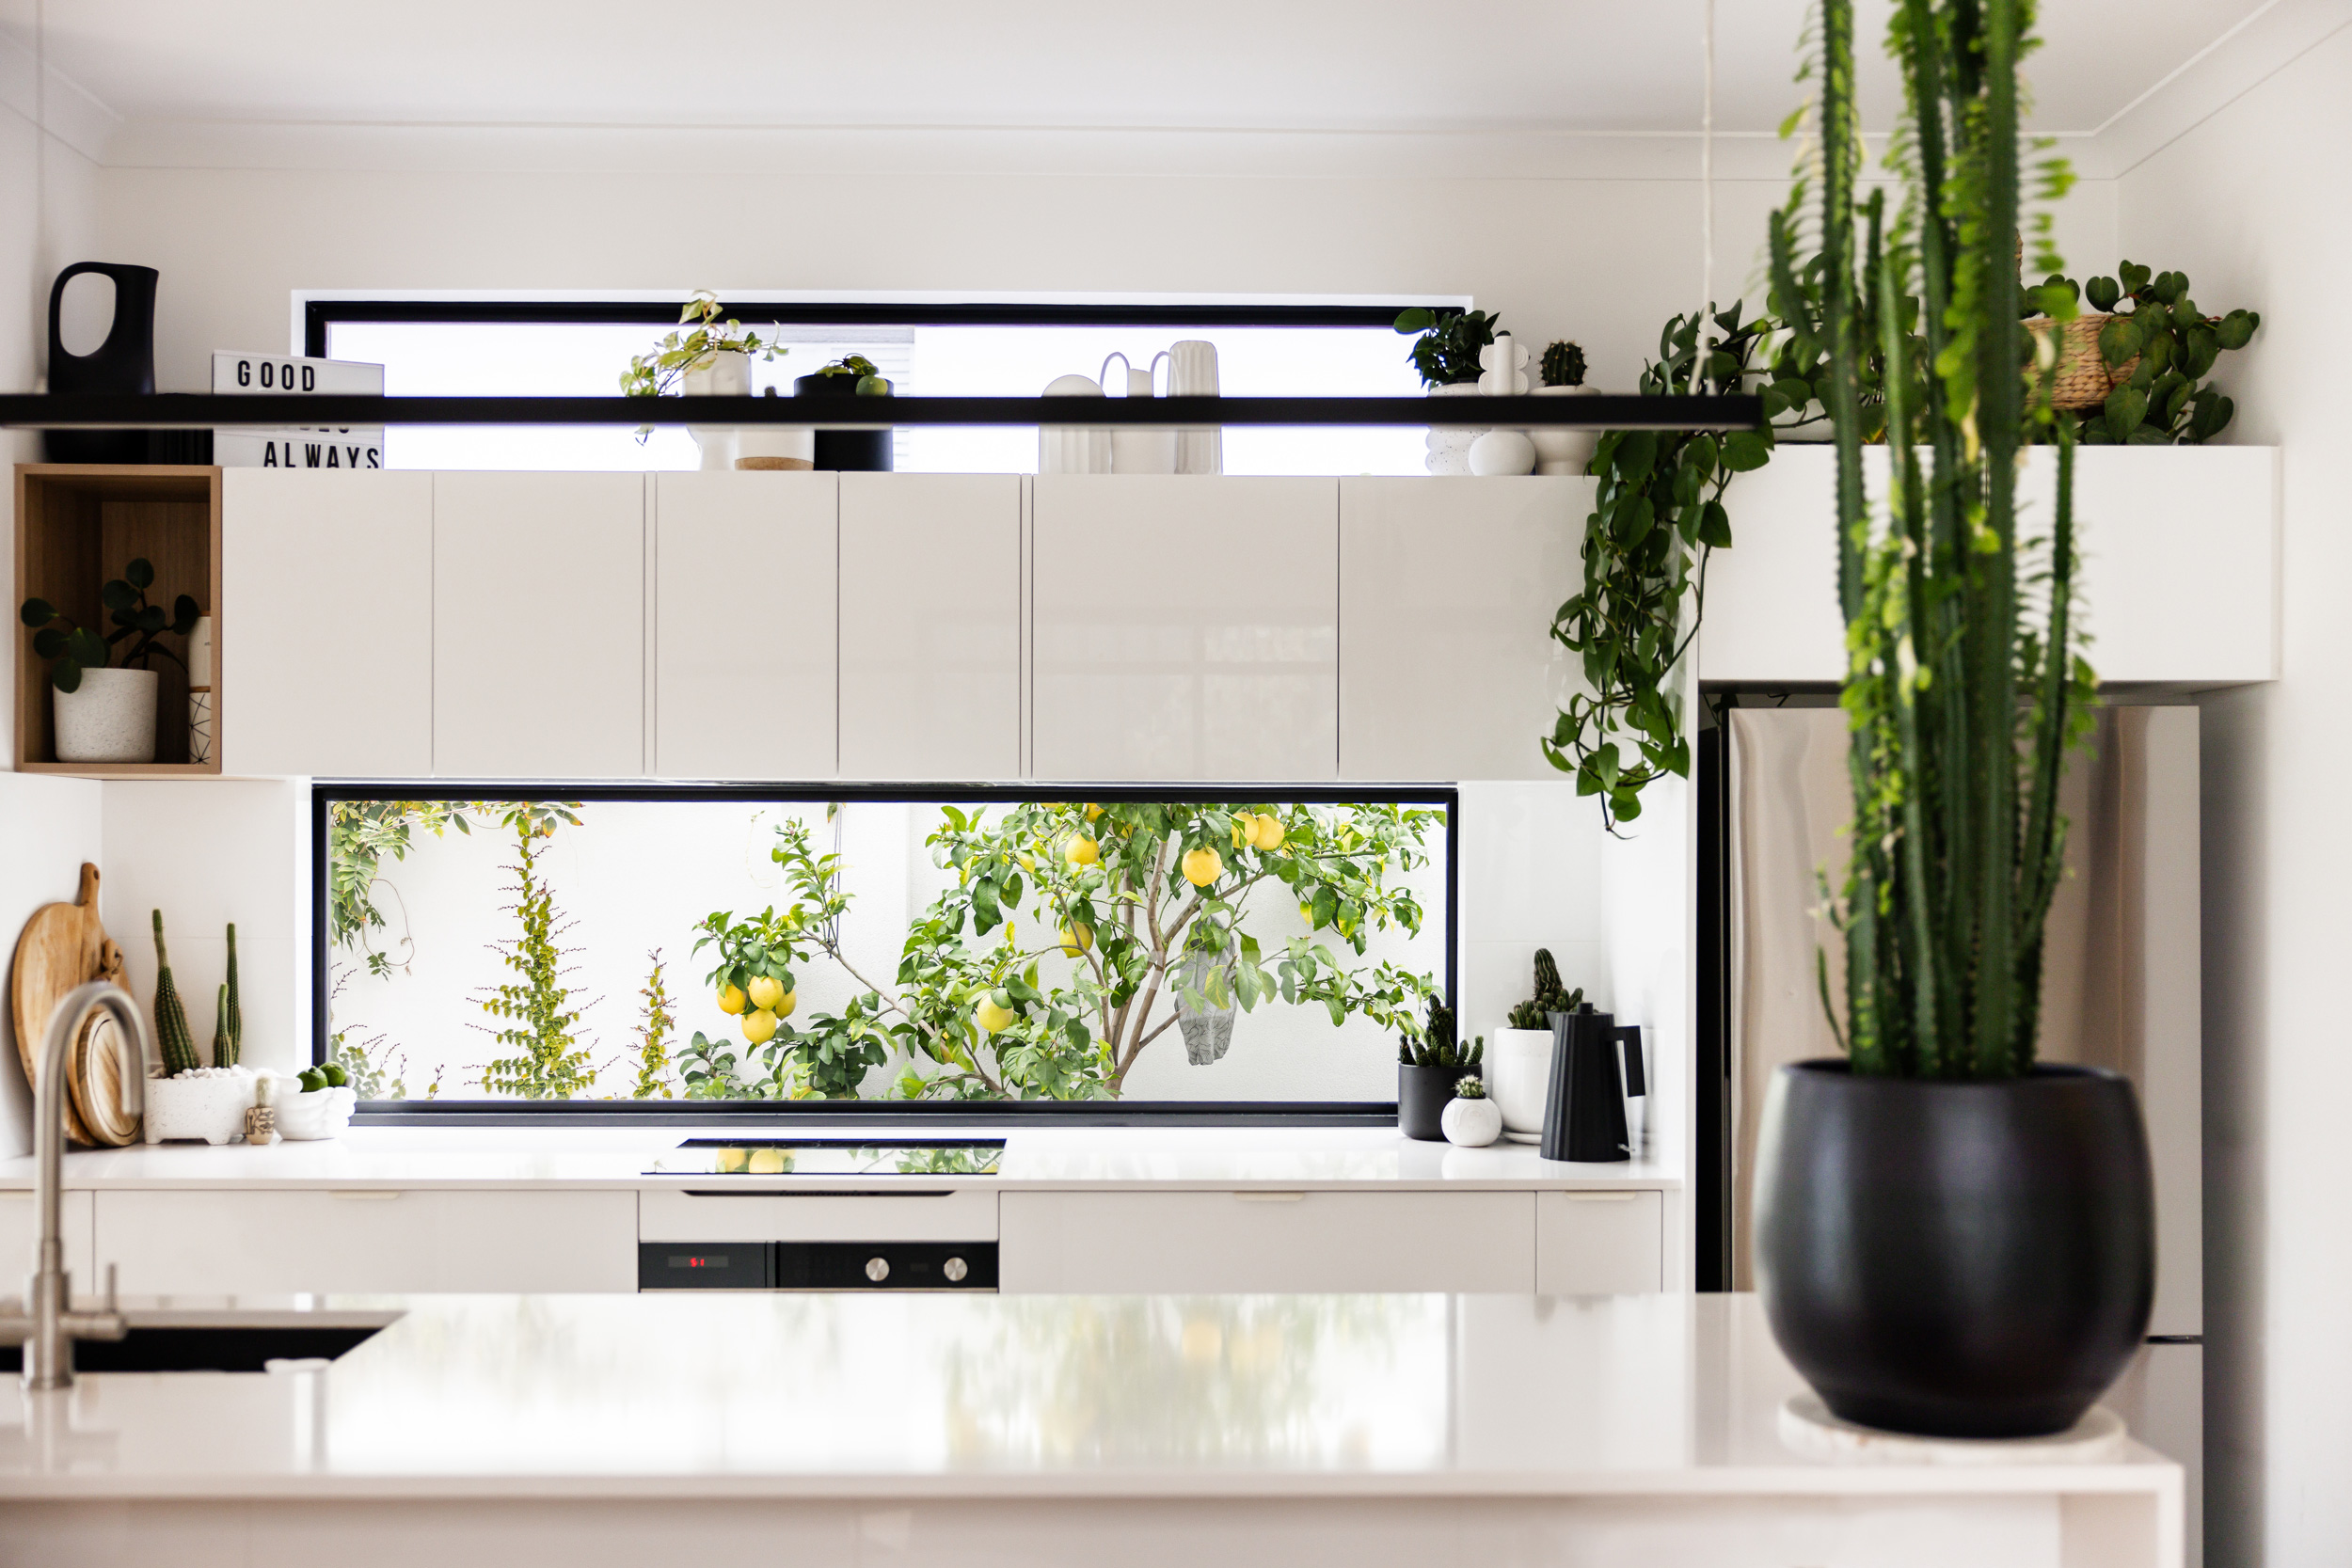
835	1396
1219	1158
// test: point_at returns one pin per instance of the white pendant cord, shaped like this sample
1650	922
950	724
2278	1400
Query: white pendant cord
41	179
1707	199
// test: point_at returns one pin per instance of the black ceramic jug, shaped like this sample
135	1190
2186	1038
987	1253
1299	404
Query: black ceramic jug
1584	1111
123	365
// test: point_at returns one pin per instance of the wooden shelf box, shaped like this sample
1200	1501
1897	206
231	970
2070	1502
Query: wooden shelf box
77	525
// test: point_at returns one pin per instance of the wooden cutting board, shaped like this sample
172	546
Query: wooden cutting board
63	947
97	1081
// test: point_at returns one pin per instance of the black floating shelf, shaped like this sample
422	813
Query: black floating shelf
172	411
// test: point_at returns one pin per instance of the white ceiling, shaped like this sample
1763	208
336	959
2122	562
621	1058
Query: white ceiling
1577	66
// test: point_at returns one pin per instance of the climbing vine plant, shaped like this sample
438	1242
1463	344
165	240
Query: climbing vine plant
544	1058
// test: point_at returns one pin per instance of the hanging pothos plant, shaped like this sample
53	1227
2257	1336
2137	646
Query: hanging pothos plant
1658	514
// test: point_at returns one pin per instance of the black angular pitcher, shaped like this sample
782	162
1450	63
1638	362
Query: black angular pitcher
123	365
1584	1112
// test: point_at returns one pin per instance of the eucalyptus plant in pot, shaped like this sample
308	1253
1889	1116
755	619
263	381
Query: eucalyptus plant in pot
1951	1239
104	712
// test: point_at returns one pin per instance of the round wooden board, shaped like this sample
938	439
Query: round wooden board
97	1081
63	947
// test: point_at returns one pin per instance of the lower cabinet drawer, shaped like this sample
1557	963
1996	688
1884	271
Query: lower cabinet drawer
724	1215
1600	1243
1267	1240
19	1224
241	1242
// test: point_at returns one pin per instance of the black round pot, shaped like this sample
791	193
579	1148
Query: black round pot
848	450
1422	1094
1959	1259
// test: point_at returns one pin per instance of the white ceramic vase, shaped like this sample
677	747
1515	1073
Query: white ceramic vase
110	719
1518	1077
776	447
1074	449
1471	1123
1564	451
1192	374
1500	453
210	1108
1449	445
727	376
319	1114
1139	452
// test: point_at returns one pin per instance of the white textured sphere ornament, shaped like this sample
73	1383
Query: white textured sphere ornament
1471	1123
1501	452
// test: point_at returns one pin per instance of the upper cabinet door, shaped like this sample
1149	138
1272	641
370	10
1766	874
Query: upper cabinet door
325	624
538	625
930	625
1185	628
746	661
1447	589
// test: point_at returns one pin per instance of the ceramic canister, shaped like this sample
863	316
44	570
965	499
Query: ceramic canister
1192	374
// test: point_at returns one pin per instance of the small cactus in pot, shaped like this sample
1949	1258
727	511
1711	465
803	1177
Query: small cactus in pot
1470	1121
1564	451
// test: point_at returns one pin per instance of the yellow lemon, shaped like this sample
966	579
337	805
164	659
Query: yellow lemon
766	991
1077	940
758	1026
1083	851
991	1017
1093	812
730	999
1203	867
1052	805
1269	835
785	1002
765	1162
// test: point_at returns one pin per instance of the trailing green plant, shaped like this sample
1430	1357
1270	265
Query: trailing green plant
544	1057
171	1018
1564	365
230	1035
371	1066
695	347
1433	1044
1446	350
72	648
1966	684
2169	347
1550	996
359	835
872	383
655	1022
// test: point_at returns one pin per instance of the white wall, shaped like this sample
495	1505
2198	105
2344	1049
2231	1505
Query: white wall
2252	203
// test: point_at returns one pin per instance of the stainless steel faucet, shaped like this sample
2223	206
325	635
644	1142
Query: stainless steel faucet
48	1325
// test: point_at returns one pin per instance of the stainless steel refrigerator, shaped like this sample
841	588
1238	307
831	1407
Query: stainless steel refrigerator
2120	989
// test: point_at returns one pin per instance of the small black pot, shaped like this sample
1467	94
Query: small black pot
846	451
1959	1259
1422	1094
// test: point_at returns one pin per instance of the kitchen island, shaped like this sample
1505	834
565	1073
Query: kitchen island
978	1430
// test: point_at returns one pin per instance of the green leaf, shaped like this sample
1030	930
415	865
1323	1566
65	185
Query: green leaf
141	573
1745	450
2236	329
48	642
2119	341
184	614
2101	293
1715	526
37	612
2125	407
2135	277
86	648
1415	318
67	675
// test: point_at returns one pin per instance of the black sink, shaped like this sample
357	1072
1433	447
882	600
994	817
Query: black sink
232	1348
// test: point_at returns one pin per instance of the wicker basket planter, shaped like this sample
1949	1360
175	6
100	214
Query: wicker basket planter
2084	379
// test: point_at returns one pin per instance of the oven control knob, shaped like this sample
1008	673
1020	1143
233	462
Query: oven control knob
955	1269
878	1268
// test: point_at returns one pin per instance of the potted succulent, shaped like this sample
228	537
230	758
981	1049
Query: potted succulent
1564	451
1429	1066
1445	351
853	376
1523	1054
106	714
704	357
1470	1121
1951	1238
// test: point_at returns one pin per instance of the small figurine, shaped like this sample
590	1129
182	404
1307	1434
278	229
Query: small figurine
261	1117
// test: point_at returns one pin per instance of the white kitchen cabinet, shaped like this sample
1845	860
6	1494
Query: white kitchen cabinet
538	625
2179	548
940	1214
930	625
247	1241
1201	1242
1448	669
746	657
20	1226
324	624
1184	627
1599	1244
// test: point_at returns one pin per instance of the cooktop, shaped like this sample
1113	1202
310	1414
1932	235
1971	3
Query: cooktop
831	1157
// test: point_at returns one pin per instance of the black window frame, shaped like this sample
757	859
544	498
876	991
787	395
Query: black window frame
842	1113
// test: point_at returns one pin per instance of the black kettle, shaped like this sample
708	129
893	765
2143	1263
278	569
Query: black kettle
122	366
1596	1068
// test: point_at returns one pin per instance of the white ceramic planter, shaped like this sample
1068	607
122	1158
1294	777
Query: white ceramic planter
727	376
775	446
1564	451
111	719
1449	445
319	1114
212	1109
1471	1123
1518	1076
1502	454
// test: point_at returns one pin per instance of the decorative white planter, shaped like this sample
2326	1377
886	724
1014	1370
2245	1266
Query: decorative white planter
1072	448
111	719
1449	445
1564	451
727	376
1500	453
212	1107
1519	1077
1471	1123
775	446
319	1114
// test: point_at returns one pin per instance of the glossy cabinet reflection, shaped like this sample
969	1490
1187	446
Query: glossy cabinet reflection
326	615
744	641
1447	666
930	625
538	625
1184	627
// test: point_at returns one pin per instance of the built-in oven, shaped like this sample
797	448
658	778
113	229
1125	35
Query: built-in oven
820	1214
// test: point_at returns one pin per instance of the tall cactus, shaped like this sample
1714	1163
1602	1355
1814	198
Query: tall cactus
224	1054
232	1032
1550	996
171	1020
